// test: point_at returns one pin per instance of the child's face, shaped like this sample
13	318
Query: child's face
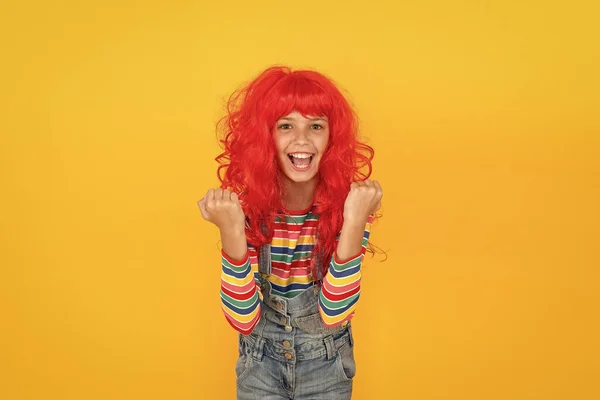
300	144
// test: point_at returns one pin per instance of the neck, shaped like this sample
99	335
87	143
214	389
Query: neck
298	195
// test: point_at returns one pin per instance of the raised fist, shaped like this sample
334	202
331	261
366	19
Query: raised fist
363	200
222	207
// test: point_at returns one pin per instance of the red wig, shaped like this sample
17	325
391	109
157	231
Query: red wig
249	159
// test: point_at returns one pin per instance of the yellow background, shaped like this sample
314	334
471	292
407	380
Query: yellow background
484	117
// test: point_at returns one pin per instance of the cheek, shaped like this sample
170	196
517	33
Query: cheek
280	143
323	144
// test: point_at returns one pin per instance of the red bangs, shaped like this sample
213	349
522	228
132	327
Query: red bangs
302	91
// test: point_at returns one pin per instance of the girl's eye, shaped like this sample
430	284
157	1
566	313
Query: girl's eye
317	127
285	126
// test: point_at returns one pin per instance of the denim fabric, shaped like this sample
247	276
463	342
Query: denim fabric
291	354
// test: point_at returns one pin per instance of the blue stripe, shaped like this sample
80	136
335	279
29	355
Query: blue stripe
290	251
343	273
281	250
332	313
239	275
293	286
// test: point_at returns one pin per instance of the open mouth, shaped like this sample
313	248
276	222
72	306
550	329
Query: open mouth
301	161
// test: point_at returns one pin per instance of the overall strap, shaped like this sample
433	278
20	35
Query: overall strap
319	266
264	259
264	254
319	261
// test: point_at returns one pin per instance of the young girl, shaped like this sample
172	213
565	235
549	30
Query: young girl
294	206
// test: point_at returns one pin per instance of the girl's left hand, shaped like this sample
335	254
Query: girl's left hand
363	200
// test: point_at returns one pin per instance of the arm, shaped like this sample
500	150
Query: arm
341	286
239	293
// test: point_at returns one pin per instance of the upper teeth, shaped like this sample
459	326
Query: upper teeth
301	155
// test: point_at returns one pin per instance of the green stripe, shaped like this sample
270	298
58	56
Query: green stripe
292	220
301	255
240	304
290	294
285	258
281	258
296	219
233	267
337	304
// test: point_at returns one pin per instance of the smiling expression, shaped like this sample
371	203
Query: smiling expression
300	143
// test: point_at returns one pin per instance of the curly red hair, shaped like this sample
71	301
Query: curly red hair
248	164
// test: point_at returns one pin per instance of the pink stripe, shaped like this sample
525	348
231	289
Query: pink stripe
248	288
335	290
281	232
243	327
290	274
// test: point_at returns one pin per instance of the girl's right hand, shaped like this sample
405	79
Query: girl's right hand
222	207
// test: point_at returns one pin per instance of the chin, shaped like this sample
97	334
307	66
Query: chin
300	179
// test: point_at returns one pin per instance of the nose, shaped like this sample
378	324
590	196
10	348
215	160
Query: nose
301	135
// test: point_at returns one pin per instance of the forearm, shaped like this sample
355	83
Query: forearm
234	243
341	285
351	239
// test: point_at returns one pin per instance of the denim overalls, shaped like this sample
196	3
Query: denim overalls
291	354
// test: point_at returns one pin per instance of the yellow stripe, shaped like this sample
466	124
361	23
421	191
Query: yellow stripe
291	243
283	243
342	281
241	318
235	281
306	239
292	279
338	318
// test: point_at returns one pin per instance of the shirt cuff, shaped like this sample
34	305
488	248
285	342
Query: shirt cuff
340	262
234	262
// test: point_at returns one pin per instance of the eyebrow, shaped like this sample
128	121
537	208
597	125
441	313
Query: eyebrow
310	119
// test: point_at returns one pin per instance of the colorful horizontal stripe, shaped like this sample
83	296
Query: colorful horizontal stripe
239	294
291	248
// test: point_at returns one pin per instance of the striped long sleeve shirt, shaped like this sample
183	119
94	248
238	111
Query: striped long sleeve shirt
291	248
